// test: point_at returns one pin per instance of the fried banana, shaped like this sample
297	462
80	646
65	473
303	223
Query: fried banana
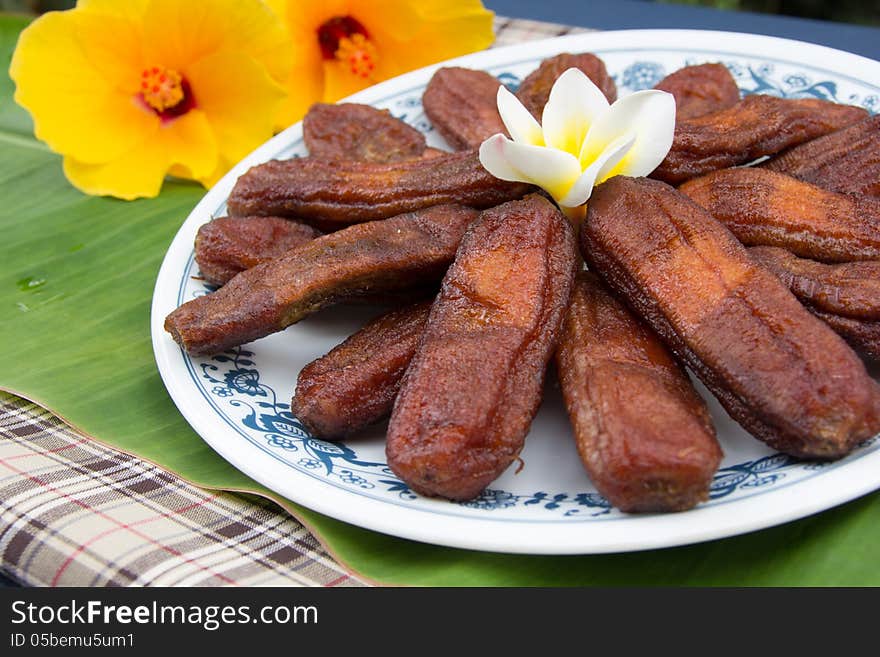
534	90
226	246
765	208
461	104
780	372
845	161
642	431
475	383
355	384
700	89
384	256
756	126
863	335
350	131
849	289
331	195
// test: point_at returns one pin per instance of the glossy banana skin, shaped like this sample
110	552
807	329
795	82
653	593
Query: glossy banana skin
475	383
355	384
863	335
350	131
226	246
642	431
333	194
393	255
462	106
846	161
845	296
756	126
700	89
849	289
765	208
534	90
781	373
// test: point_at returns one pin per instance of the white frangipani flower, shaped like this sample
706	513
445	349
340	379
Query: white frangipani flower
581	140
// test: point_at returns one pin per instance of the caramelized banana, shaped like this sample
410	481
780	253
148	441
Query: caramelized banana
765	208
780	372
642	431
355	384
349	131
863	335
475	382
756	126
846	161
849	289
226	246
332	195
461	104
534	90
382	256
700	89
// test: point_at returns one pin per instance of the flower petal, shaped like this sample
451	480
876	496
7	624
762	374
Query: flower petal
76	108
186	144
135	174
129	8
416	34
239	101
520	123
650	116
177	34
582	189
305	75
110	39
574	104
550	169
339	82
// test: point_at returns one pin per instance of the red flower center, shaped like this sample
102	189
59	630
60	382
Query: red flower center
346	40
166	92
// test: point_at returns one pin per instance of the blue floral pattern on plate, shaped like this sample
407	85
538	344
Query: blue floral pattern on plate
233	377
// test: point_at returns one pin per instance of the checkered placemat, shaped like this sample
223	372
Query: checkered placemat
77	513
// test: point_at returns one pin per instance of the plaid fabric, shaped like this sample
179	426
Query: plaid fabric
76	513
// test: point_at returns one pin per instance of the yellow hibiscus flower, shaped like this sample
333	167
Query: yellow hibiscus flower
130	91
343	46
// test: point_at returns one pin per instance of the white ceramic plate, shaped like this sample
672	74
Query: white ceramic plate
239	401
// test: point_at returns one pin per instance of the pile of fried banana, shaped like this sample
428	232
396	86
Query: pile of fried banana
763	280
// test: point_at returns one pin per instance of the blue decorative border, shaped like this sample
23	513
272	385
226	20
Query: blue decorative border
233	379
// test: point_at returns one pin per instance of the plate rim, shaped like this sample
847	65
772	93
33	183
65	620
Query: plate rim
838	485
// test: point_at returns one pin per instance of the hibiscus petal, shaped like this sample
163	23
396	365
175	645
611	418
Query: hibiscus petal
137	173
339	82
519	122
650	116
177	34
420	33
574	103
129	8
187	142
550	169
76	108
582	189
239	100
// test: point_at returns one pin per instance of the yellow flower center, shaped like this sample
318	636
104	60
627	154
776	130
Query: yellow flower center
166	92
346	40
358	53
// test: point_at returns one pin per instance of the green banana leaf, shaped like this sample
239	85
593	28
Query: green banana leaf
77	281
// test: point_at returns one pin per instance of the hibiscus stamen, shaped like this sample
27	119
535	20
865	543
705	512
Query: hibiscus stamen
346	40
166	92
358	53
